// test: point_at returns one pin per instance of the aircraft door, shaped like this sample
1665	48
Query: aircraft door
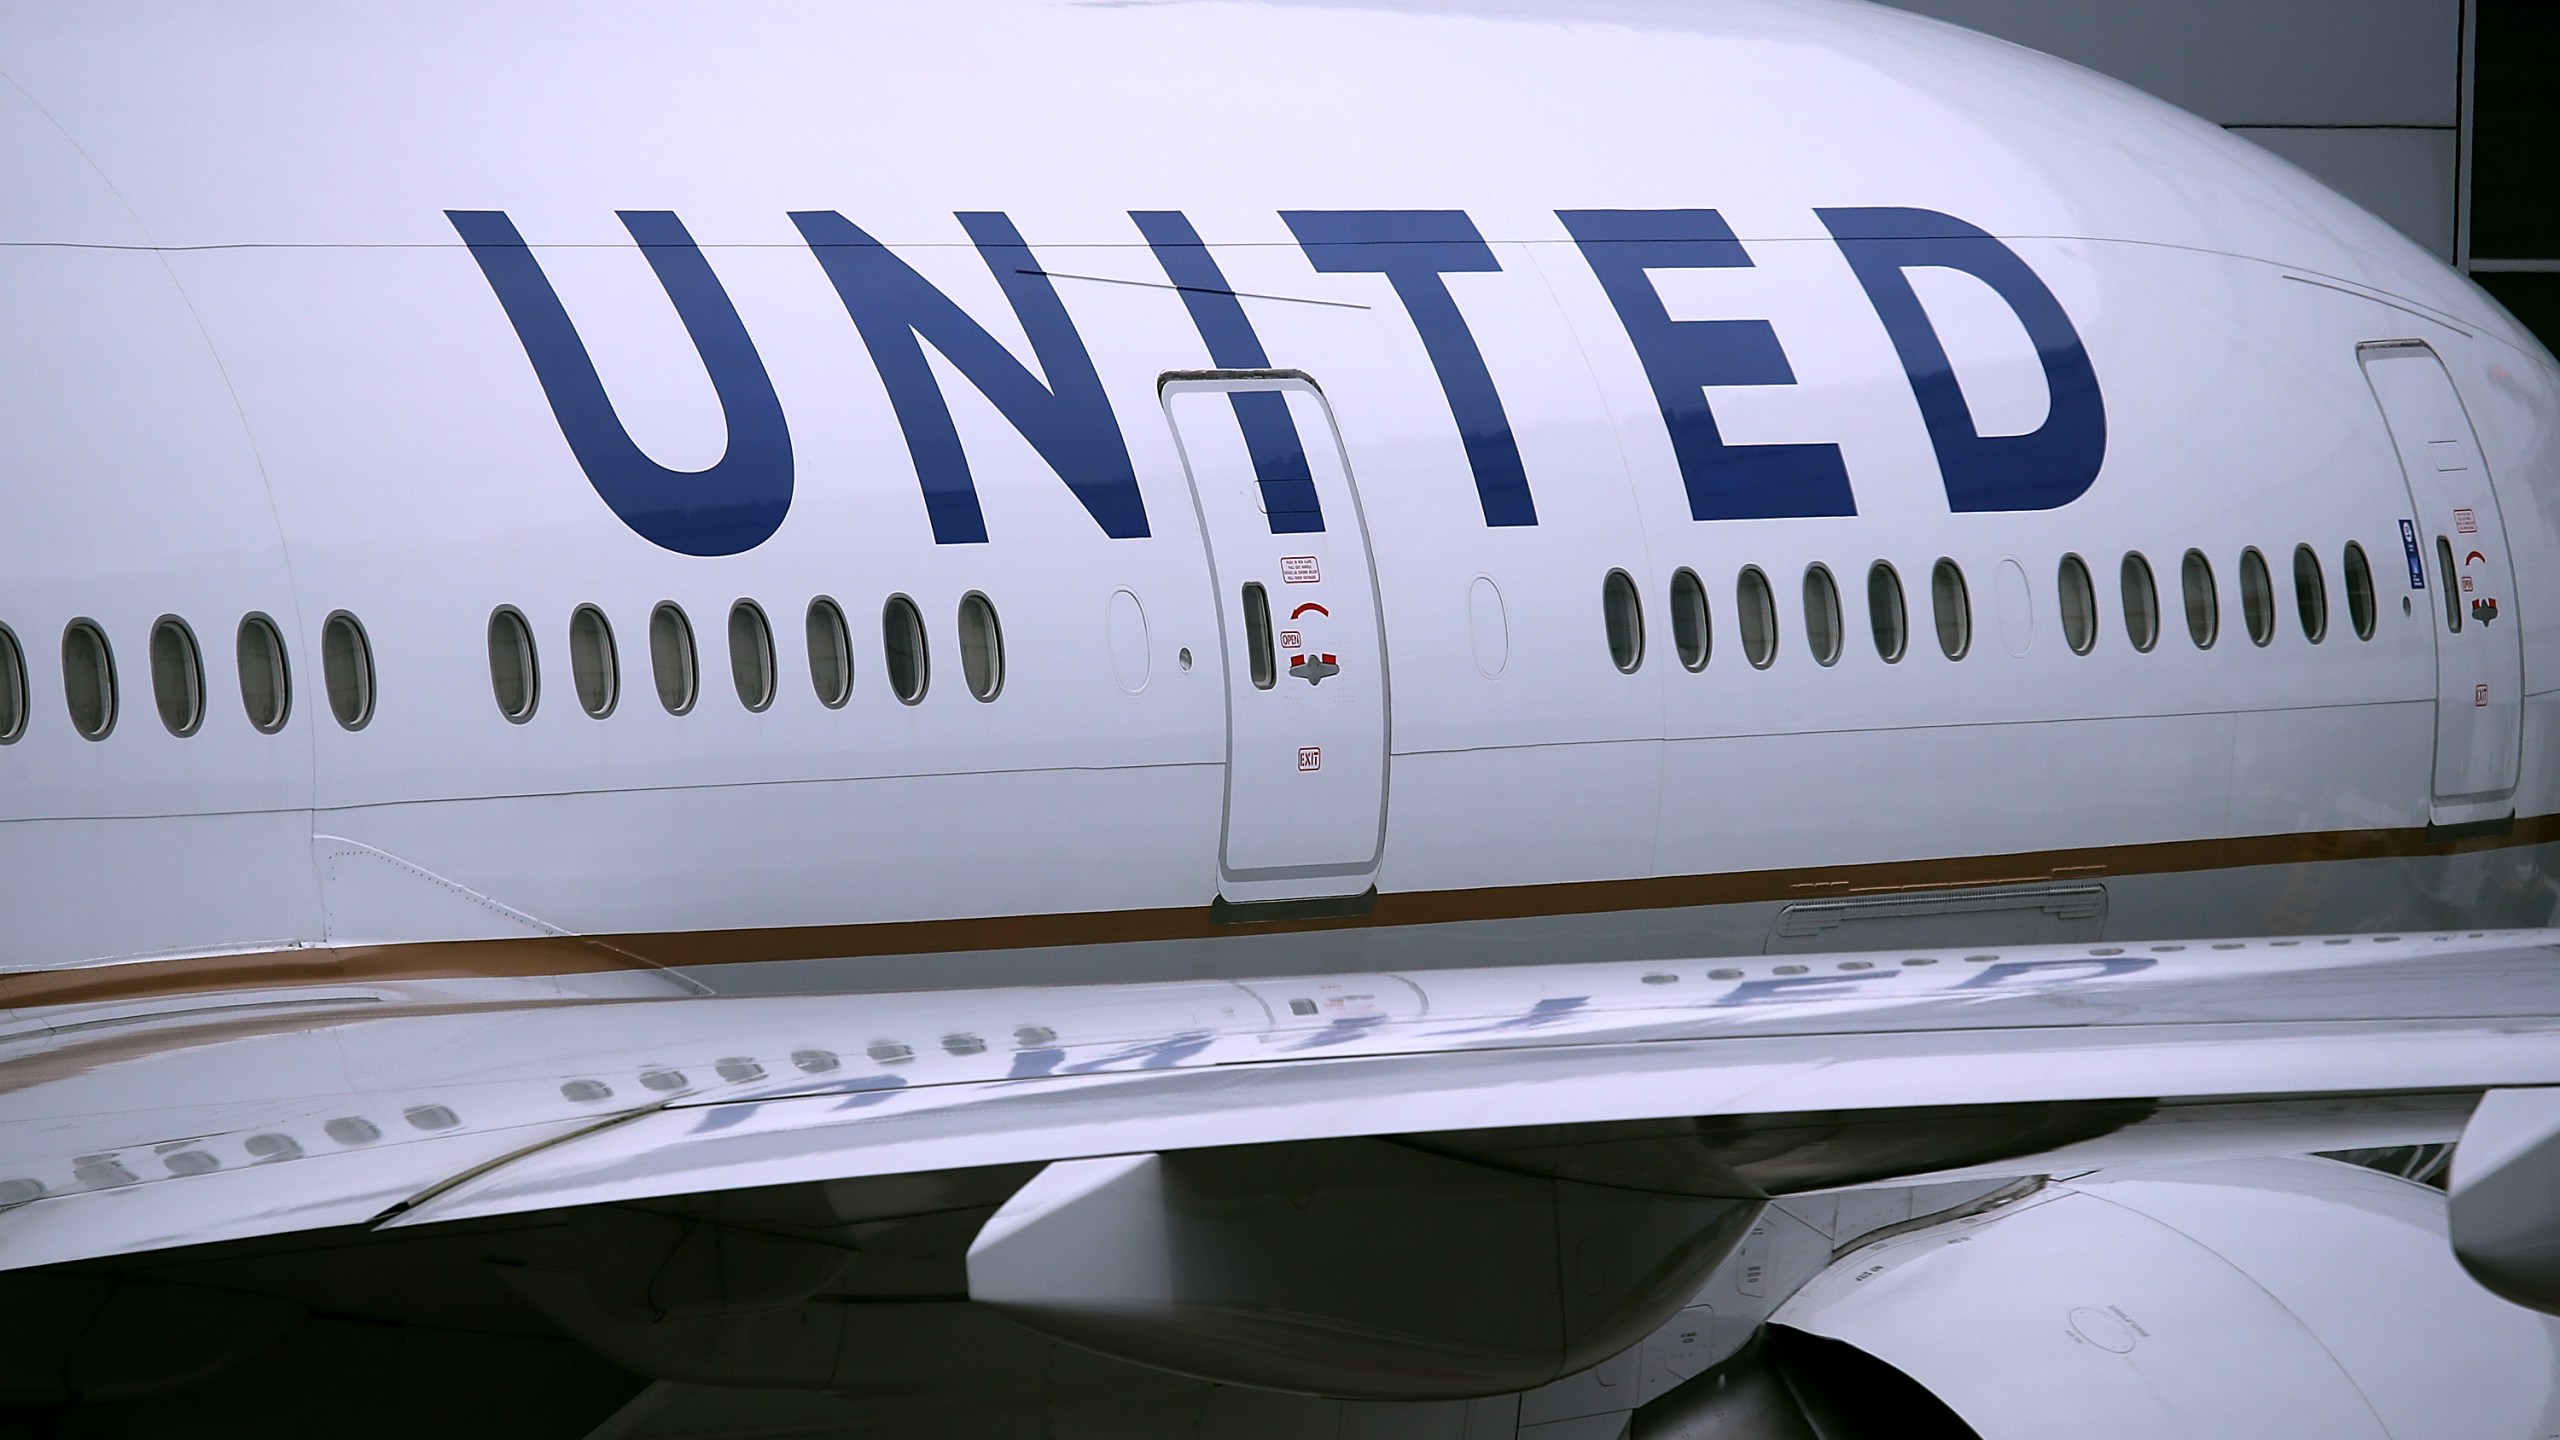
2461	544
1305	658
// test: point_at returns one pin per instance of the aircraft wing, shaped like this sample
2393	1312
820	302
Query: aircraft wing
385	1105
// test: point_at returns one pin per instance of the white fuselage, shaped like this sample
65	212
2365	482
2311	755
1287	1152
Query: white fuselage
253	368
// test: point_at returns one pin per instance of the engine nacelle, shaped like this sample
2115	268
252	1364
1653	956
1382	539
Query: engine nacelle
1358	1269
2240	1299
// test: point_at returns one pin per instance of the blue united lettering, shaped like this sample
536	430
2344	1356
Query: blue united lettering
1056	400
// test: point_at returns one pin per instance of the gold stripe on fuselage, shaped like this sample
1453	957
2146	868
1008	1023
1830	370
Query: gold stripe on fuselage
535	956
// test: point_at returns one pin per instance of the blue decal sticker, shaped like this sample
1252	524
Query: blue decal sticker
1270	436
2409	548
1413	249
1682	357
1068	420
731	507
2051	467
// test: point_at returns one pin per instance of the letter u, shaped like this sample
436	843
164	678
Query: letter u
737	503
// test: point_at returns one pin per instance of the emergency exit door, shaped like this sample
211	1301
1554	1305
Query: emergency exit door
1304	654
2469	583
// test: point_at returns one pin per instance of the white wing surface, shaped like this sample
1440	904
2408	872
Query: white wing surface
402	1107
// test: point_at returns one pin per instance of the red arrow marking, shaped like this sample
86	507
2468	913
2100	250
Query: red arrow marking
1310	605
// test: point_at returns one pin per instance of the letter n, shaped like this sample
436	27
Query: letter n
1068	420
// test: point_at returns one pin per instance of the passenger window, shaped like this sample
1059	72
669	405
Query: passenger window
830	653
1953	608
1259	659
13	688
2257	597
89	679
1885	614
2079	605
2310	594
751	655
2204	606
2141	602
595	670
1624	617
671	657
266	681
982	646
1822	615
346	665
177	676
2449	585
902	636
1691	634
1756	612
2360	607
513	676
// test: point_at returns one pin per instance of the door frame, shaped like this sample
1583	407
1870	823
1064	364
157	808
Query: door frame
2463	810
1282	380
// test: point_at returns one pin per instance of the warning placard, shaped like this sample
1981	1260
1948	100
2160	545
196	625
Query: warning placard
1298	569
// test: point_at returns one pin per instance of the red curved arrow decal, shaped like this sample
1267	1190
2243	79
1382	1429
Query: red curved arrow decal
2474	558
1310	605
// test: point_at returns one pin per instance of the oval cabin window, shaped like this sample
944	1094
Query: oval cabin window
671	660
1624	619
2079	605
981	646
513	676
2257	597
1261	662
2360	606
2449	585
346	667
2141	596
1822	615
266	680
1755	613
13	687
89	679
903	645
2310	594
751	655
177	676
1951	605
830	653
1691	634
1885	614
595	668
2203	602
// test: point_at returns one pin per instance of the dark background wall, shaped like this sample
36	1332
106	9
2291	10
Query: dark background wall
2441	116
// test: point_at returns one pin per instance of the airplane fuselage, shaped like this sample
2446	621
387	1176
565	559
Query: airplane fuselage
1718	527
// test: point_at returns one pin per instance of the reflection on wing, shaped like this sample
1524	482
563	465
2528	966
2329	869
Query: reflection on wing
1799	1071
